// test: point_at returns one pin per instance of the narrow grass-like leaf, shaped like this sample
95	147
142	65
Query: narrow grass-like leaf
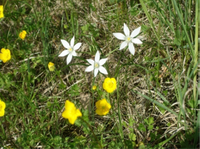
149	18
119	114
196	138
197	15
167	140
157	103
183	25
163	98
163	16
196	50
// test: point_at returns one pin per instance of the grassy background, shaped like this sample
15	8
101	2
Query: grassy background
156	99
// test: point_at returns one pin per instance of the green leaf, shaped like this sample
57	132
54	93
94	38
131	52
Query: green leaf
165	92
74	90
142	146
146	121
151	120
191	103
133	11
168	124
85	28
92	7
132	136
150	127
62	85
141	127
131	121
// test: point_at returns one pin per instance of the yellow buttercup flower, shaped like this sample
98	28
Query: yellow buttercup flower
109	84
1	11
51	66
5	55
71	113
2	108
103	107
94	87
22	34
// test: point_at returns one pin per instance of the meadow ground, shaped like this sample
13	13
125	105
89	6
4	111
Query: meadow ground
155	103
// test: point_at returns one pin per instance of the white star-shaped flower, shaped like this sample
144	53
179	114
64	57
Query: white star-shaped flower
71	49
128	38
96	65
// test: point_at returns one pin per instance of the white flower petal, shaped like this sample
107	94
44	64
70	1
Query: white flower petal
126	30
119	36
103	70
69	58
72	42
123	45
135	32
96	72
89	68
91	61
63	53
137	41
65	43
102	61
131	48
74	53
77	46
97	57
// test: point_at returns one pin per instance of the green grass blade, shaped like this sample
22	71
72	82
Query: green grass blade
196	138
183	25
160	95
196	50
197	33
162	16
157	103
167	140
149	18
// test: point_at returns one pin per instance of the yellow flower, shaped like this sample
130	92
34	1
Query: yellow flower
2	108
71	113
5	55
51	66
94	87
109	84
1	11
103	107
22	34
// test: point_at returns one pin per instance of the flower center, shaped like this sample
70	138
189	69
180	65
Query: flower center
103	107
110	84
96	65
70	50
1	107
128	39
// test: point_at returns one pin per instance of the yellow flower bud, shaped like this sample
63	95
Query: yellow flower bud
51	66
22	34
94	87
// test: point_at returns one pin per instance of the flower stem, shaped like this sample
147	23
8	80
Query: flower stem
93	100
118	66
119	115
92	131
